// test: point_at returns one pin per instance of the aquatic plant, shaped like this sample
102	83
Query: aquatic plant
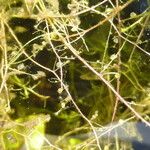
70	67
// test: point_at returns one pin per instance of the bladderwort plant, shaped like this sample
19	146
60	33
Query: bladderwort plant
69	68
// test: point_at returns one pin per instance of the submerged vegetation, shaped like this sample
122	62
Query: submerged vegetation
71	67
